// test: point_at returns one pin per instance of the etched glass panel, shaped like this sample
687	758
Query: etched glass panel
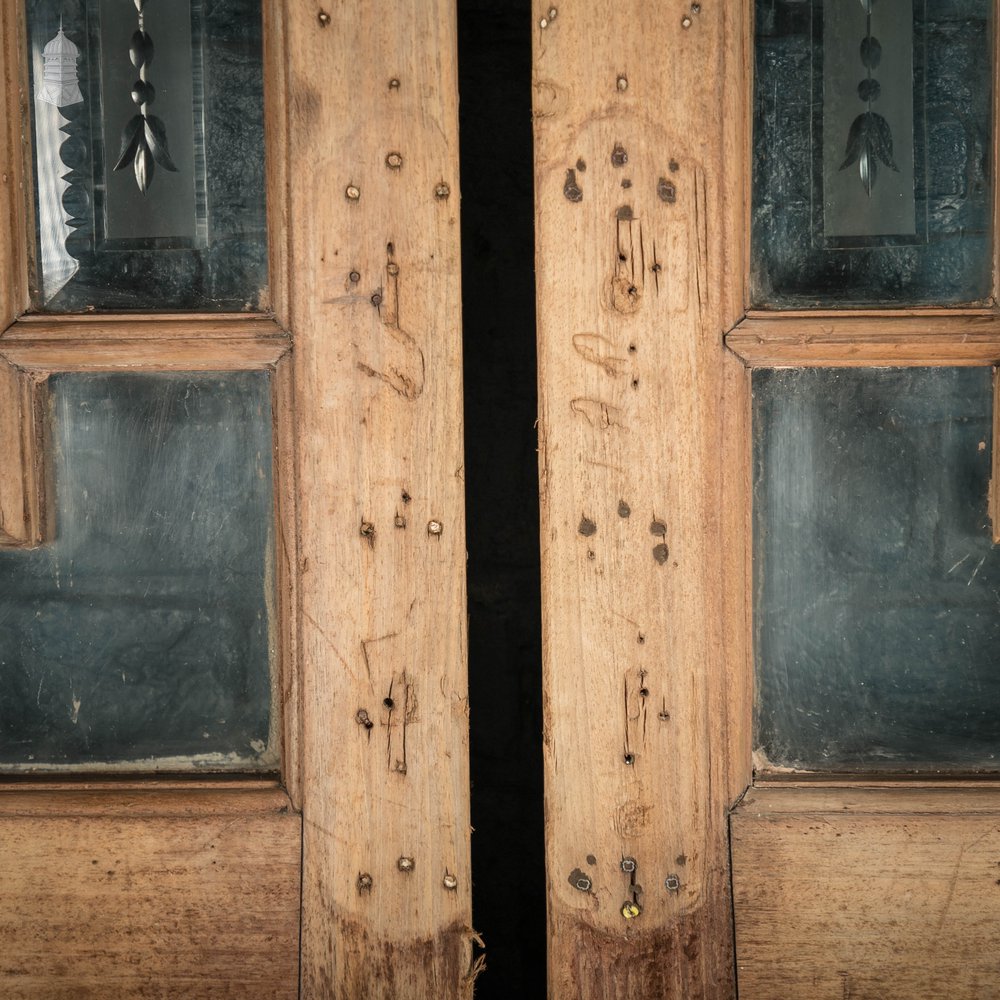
873	125
876	581
139	636
149	155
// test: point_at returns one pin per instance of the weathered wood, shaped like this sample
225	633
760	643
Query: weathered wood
22	482
916	338
13	203
375	313
123	354
148	893
640	133
890	893
141	326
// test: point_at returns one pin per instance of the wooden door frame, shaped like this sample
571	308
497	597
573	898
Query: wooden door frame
663	102
363	340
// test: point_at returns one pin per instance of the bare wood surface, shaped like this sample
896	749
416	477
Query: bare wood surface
889	894
152	894
286	578
375	312
22	481
13	206
140	326
640	131
123	354
866	339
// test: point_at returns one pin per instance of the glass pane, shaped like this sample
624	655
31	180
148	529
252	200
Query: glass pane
149	154
140	634
873	131
876	582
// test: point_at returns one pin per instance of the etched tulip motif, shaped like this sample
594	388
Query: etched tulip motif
869	141
144	138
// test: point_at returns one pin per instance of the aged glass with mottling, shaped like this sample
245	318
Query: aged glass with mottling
876	580
139	635
149	155
872	169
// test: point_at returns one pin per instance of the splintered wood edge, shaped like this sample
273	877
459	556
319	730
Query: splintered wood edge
950	338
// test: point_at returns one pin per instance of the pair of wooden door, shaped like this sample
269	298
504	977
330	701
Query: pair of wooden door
349	875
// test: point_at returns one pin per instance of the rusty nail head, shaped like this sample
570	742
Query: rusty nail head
672	883
354	276
352	192
449	881
434	527
394	161
442	191
364	882
392	268
376	299
405	864
629	865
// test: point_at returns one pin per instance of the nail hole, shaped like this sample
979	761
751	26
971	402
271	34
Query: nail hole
323	18
629	759
389	703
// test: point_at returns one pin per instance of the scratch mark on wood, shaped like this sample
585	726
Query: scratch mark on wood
365	643
598	350
403	366
597	413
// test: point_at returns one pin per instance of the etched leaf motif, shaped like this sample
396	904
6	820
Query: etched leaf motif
880	139
130	136
143	92
869	143
866	5
871	51
144	166
156	138
140	49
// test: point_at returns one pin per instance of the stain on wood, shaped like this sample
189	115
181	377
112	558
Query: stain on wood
634	297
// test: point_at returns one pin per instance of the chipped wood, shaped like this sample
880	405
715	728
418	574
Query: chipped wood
374	307
640	263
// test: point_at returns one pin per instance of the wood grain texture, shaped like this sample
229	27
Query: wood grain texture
181	893
375	311
640	267
888	894
142	326
866	339
13	201
122	354
22	482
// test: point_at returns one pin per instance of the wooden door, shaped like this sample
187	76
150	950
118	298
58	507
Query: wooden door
875	884
343	870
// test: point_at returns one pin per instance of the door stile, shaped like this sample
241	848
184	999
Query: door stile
375	310
640	132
